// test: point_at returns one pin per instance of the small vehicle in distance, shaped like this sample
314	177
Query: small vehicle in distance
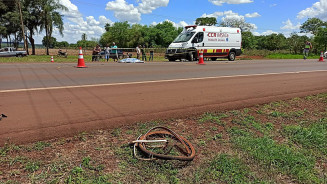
62	53
11	52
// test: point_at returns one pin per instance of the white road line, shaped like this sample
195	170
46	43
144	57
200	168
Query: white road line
156	81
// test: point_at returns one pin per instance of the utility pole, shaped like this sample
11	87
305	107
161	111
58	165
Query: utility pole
22	24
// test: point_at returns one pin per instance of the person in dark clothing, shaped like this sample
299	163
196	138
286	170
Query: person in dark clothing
95	53
143	54
151	54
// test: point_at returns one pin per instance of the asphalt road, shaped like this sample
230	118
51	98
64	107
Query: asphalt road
44	101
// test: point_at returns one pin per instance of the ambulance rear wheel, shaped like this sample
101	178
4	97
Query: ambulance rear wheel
231	56
171	59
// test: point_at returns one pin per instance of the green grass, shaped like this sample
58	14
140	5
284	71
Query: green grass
7	148
213	118
271	154
41	145
32	166
290	56
278	142
156	171
313	137
227	169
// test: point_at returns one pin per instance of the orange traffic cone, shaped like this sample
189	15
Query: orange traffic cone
321	57
81	63
52	59
201	61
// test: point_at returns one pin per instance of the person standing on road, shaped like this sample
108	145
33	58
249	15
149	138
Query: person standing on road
143	54
151	54
306	50
138	52
95	53
107	53
115	51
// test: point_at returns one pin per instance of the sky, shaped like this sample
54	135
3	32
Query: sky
267	16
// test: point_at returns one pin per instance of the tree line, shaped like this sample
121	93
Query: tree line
43	16
36	16
277	41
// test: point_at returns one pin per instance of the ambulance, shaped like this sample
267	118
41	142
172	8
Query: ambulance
213	42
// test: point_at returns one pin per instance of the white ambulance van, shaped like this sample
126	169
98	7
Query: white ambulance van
214	42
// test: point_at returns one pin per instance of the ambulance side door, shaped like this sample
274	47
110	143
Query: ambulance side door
197	41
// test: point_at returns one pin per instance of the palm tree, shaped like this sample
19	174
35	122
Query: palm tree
51	18
32	11
84	37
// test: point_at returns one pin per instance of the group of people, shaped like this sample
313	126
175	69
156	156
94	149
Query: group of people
107	51
114	52
141	50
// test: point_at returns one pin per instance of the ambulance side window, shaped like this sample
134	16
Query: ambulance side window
198	38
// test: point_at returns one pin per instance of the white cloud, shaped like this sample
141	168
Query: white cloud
227	16
255	27
72	10
220	14
123	11
147	6
180	24
268	32
252	15
289	25
128	12
318	10
230	13
216	14
221	2
75	25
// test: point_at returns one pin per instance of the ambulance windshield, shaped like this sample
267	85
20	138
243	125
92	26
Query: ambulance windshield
184	37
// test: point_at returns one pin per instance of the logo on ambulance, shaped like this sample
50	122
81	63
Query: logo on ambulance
218	36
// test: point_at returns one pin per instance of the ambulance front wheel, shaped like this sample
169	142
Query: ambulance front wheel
231	56
171	59
190	56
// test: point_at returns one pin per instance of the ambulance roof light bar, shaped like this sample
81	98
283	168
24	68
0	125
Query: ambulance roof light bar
190	28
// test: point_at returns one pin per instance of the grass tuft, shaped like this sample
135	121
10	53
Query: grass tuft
273	155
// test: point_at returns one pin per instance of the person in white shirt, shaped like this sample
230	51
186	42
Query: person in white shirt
138	52
107	53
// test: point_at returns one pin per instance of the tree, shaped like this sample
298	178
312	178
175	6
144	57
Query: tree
62	44
165	33
236	22
9	21
32	12
49	42
84	37
86	43
206	21
138	35
51	18
321	38
118	33
296	43
312	25
249	41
